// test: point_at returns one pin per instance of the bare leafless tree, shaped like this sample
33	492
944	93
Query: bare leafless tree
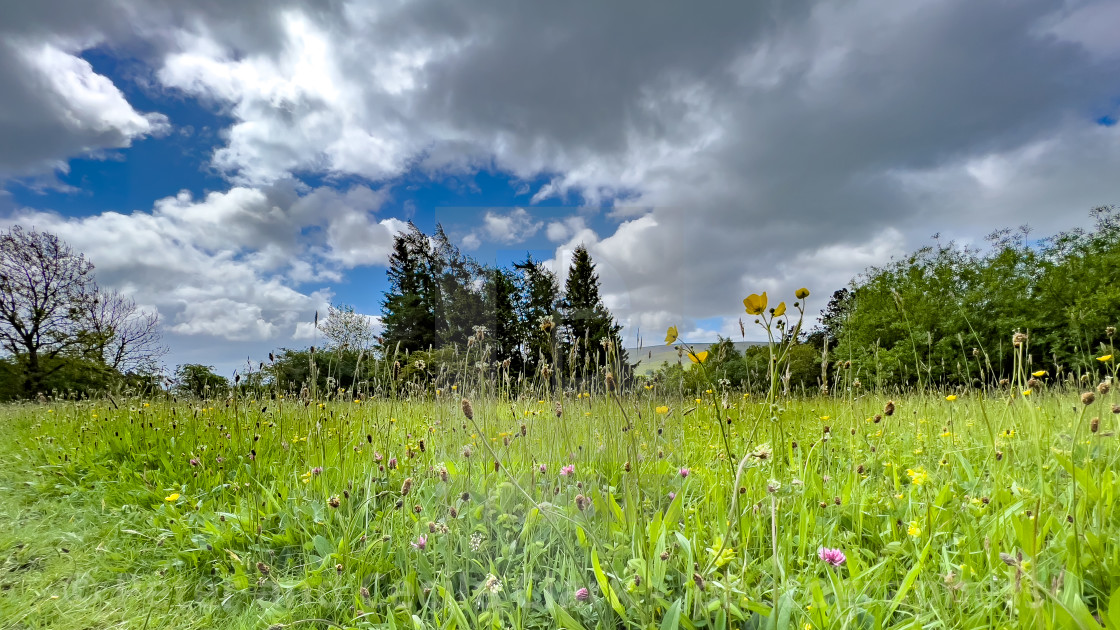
45	288
121	335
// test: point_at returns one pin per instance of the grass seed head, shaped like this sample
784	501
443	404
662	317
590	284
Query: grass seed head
468	410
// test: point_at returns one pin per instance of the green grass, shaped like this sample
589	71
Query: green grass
1010	522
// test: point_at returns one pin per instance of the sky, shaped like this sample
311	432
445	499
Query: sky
238	166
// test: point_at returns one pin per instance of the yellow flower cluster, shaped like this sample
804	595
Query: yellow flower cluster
917	476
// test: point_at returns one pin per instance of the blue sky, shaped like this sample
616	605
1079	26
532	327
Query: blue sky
235	167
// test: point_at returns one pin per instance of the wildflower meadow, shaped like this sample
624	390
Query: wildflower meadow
613	504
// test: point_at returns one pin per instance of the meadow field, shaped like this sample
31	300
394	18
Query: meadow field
461	508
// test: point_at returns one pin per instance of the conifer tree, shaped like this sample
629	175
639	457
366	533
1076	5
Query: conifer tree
462	304
537	312
589	330
501	306
409	306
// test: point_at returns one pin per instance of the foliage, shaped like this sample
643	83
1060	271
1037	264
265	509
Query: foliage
945	314
199	381
64	376
440	298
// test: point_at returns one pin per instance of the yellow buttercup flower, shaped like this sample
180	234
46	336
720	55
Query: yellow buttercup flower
698	357
671	335
951	397
1026	392
780	310
802	293
174	496
917	476
1107	357
913	529
663	409
1039	373
755	303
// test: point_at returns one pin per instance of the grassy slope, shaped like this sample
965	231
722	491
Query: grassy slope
66	561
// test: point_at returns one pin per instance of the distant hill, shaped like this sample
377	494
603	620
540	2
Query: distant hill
652	357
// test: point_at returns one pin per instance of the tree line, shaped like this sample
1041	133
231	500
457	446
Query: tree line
446	317
953	315
945	315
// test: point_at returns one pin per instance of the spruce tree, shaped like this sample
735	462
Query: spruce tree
409	307
461	305
537	312
589	330
501	307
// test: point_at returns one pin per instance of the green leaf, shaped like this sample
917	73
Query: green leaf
605	586
908	581
1114	610
672	618
323	547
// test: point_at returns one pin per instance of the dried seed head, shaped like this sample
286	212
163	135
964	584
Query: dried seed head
524	430
999	455
888	410
406	487
698	580
1095	425
610	381
468	410
1087	398
453	512
263	568
1104	387
334	502
1115	408
665	555
558	410
1018	339
1110	331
